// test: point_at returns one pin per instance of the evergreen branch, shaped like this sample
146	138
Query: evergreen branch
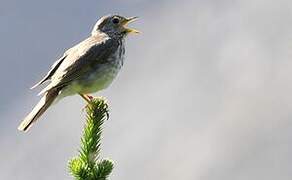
88	165
103	170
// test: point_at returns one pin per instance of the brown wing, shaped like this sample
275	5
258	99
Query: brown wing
51	72
91	52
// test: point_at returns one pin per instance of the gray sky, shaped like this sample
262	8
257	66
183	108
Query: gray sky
205	92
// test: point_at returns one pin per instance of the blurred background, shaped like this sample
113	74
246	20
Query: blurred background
205	91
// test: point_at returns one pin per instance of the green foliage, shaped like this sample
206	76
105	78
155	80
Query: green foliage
88	165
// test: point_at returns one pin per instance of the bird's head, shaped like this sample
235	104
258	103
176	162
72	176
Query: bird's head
114	25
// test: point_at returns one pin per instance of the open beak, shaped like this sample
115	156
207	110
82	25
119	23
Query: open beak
127	21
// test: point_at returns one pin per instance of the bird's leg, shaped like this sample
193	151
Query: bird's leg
87	98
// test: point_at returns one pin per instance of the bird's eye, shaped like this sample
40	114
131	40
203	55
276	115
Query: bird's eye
116	20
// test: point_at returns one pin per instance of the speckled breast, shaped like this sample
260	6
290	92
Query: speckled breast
104	74
101	77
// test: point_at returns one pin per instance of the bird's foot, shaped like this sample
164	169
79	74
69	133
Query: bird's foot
87	98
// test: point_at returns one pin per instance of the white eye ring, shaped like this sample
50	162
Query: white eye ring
116	20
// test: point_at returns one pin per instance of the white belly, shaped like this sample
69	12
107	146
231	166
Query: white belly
96	81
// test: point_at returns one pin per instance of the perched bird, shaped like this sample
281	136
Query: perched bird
87	67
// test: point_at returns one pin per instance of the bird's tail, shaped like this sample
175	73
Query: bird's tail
38	110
